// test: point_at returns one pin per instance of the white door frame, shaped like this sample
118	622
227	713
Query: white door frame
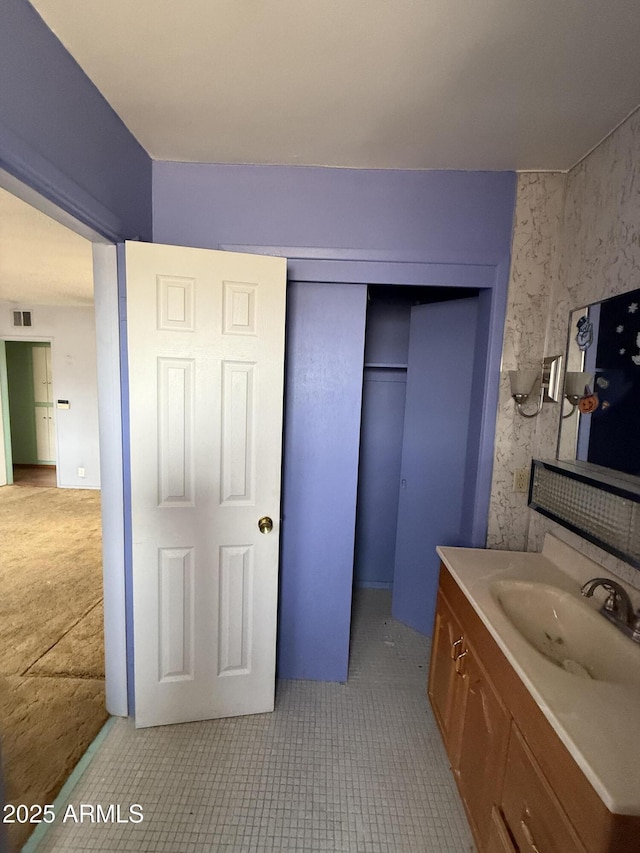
110	429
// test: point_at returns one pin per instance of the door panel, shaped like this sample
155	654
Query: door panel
447	685
483	747
325	348
206	350
43	403
436	425
41	356
45	434
176	404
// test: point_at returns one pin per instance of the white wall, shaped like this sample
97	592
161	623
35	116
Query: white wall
73	352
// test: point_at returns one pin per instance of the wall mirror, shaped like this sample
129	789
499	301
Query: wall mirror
601	406
593	488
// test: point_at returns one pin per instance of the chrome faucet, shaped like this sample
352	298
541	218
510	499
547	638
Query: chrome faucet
617	606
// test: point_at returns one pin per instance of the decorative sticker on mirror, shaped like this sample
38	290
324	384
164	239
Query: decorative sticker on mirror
584	337
588	402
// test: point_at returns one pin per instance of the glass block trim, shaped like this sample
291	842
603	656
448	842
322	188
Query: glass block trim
606	516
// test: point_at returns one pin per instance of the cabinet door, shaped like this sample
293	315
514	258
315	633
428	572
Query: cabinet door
51	427
485	736
41	360
446	685
532	812
43	400
45	434
499	840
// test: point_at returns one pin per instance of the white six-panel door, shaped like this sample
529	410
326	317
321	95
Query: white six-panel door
206	351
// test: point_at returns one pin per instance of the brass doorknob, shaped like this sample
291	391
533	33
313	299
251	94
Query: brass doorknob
265	524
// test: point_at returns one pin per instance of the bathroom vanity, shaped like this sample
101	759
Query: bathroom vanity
544	744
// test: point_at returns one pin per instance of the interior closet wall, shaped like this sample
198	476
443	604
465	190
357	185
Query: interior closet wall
383	401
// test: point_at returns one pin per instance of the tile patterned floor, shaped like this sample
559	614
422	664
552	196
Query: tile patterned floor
356	767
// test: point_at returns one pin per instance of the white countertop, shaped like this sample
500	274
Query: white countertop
598	721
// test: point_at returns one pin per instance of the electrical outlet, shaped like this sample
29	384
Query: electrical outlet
81	472
521	480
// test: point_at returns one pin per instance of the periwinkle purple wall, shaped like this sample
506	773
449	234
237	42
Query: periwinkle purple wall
444	228
447	216
59	135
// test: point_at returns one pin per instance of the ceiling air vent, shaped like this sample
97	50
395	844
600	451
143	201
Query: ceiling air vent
22	318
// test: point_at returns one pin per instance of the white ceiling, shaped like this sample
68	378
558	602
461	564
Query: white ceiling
406	84
41	261
411	84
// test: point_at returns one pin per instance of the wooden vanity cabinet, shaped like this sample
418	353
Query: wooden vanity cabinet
473	721
447	684
521	788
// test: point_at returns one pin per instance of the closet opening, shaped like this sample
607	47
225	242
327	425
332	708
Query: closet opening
394	367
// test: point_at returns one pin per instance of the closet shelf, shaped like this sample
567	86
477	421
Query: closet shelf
385	365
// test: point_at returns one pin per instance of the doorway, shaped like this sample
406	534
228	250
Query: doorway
393	427
31	412
53	696
106	335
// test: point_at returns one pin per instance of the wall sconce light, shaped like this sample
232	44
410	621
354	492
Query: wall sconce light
523	382
575	383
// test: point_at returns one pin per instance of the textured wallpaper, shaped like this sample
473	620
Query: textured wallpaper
576	240
534	260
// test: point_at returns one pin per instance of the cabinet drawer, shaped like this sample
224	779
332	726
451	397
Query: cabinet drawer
531	810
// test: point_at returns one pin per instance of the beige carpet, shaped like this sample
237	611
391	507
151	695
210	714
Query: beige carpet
51	644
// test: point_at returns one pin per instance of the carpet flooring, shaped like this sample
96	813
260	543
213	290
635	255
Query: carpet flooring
51	642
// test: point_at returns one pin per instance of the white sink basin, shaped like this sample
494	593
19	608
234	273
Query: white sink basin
568	632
